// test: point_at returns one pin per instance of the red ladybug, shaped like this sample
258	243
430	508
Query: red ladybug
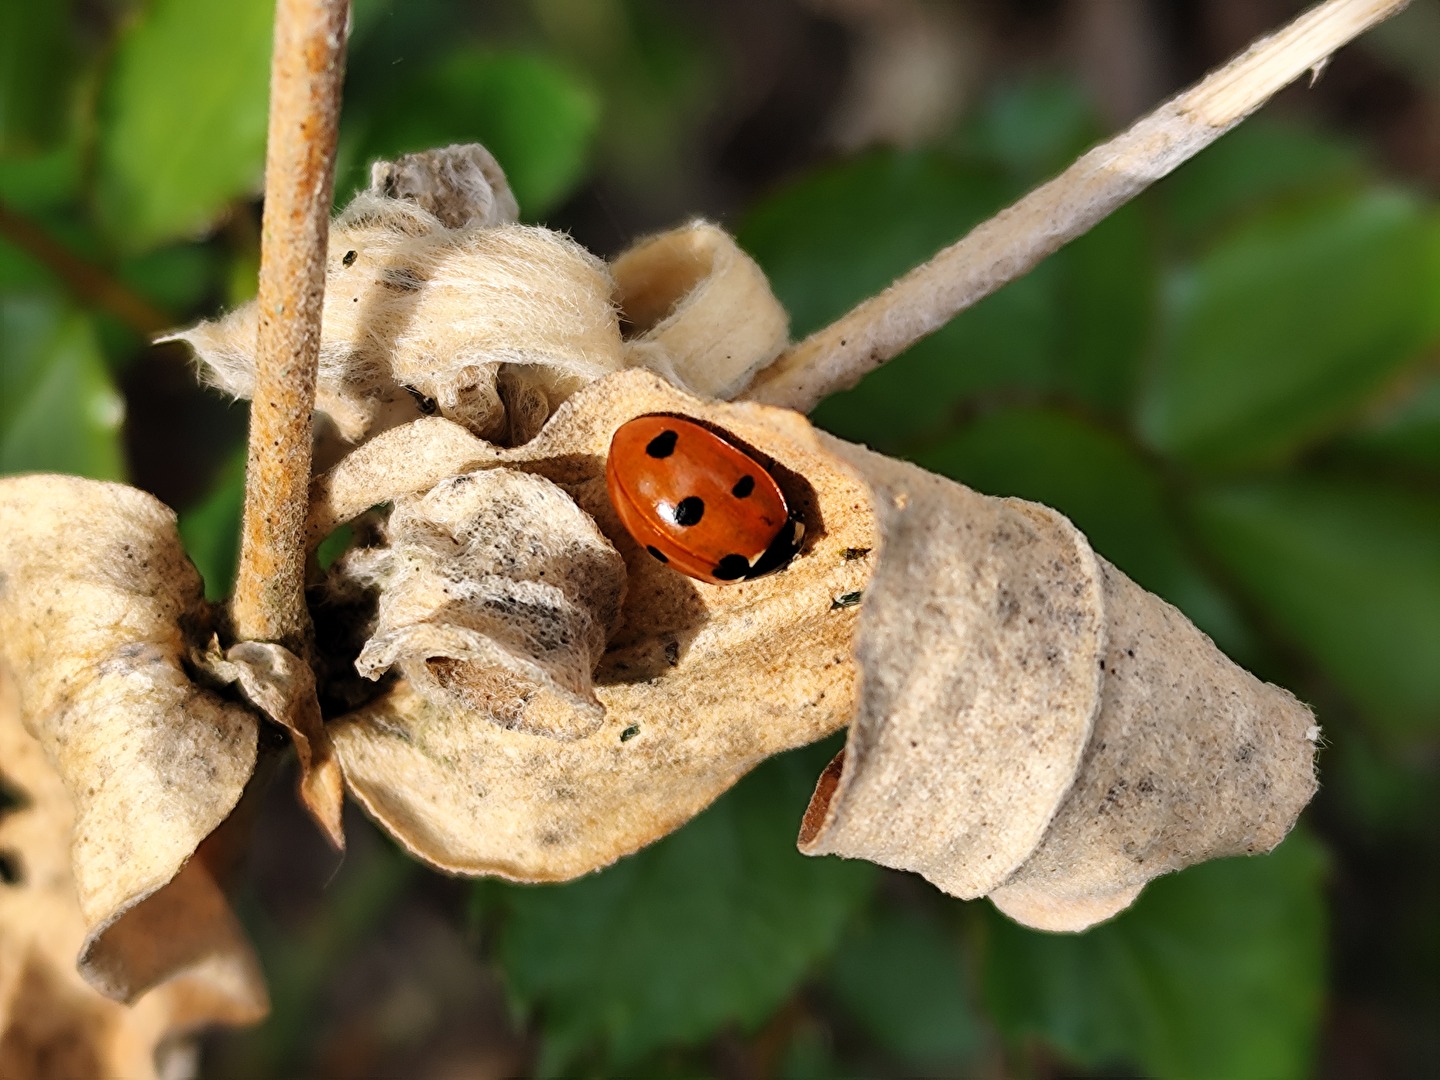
697	502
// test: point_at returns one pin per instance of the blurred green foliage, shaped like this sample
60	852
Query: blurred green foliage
1232	385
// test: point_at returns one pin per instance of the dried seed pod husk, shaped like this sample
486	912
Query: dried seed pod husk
421	315
95	597
52	1024
699	311
699	683
1035	727
497	595
462	185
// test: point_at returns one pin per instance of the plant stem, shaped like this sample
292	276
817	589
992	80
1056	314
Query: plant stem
1014	241
305	79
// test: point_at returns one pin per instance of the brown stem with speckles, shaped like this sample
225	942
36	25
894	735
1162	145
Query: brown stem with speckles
1013	242
305	80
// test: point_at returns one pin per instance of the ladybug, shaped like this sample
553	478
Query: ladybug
697	502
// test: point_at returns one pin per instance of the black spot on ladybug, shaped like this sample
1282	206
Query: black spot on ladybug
349	258
653	550
732	568
662	445
743	487
781	550
689	511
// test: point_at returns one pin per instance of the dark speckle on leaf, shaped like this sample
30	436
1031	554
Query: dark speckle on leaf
846	600
630	732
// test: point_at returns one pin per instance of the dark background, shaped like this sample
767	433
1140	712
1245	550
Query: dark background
1232	385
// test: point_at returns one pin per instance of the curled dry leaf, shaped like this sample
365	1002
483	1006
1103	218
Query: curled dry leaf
436	299
422	314
462	185
1036	727
497	595
698	310
698	684
1027	723
282	686
52	1023
96	597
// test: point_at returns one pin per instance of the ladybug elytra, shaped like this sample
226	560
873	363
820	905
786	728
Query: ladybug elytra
697	502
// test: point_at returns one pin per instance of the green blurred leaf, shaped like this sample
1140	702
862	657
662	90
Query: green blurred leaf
535	115
1032	128
1215	972
900	980
1106	488
42	181
183	115
59	410
1259	163
1289	324
1407	432
844	233
36	61
1107	296
176	278
1349	571
210	530
714	925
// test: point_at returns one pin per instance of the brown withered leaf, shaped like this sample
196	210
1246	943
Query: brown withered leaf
483	611
282	686
1034	726
52	1024
455	313
698	310
699	682
96	599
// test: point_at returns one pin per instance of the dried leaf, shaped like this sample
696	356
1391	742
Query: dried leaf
95	598
699	311
282	686
431	294
1034	726
462	185
497	595
51	1023
699	682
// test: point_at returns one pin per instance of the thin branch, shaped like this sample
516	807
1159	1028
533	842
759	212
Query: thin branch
1010	244
305	79
85	280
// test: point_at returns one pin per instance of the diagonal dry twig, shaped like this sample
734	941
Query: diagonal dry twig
305	81
1010	244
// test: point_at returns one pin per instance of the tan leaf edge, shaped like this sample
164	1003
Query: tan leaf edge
52	1023
698	684
1035	727
96	598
